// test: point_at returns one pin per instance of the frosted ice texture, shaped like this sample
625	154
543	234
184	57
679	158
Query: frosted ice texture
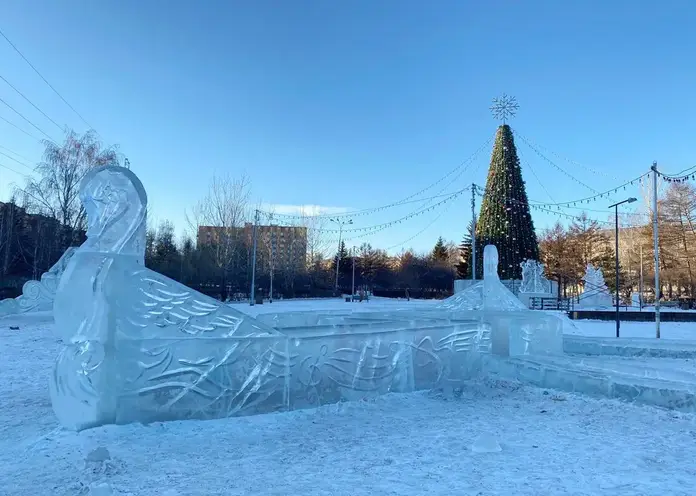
533	279
139	347
38	296
595	293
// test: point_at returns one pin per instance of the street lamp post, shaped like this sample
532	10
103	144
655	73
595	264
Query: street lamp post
615	206
340	223
352	293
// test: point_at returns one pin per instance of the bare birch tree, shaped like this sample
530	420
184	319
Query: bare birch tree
219	221
319	242
56	191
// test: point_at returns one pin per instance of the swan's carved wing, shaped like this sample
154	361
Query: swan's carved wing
152	305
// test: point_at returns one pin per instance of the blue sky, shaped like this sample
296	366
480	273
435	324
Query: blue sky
357	104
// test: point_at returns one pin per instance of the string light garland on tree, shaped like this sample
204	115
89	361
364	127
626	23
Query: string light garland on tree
564	215
505	220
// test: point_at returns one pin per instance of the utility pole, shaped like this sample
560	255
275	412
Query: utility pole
656	249
640	286
473	231
272	263
618	297
352	292
253	259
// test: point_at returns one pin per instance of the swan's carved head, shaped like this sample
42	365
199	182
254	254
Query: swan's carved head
116	206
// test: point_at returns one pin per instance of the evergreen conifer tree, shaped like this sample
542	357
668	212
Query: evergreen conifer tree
440	251
505	220
464	265
342	255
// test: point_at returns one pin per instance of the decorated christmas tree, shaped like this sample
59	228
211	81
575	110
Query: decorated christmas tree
505	220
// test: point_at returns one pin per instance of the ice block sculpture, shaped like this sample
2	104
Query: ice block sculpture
139	346
487	295
533	279
595	293
515	330
38	296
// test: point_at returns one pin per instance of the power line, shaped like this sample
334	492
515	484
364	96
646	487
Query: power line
15	160
31	103
19	128
11	169
45	80
27	120
15	153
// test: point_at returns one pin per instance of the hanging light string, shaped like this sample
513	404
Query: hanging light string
385	226
450	197
529	165
427	226
589	199
566	159
544	209
271	215
409	199
611	212
554	165
680	177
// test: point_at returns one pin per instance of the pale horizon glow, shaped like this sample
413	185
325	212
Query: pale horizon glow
304	210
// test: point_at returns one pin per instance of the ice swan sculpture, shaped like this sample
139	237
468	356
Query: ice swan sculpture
140	347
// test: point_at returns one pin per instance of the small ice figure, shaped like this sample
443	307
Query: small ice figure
486	443
490	262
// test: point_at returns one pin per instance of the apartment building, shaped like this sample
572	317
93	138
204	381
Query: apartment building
285	246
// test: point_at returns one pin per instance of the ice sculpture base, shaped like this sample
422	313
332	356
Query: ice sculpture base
630	347
306	367
665	387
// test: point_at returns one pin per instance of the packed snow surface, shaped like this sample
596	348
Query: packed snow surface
413	444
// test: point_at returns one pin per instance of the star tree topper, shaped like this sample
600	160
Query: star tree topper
504	107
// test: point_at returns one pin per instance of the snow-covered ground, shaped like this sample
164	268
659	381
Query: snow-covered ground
668	330
420	443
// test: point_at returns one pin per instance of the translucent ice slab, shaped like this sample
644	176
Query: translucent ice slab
656	383
629	347
326	369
